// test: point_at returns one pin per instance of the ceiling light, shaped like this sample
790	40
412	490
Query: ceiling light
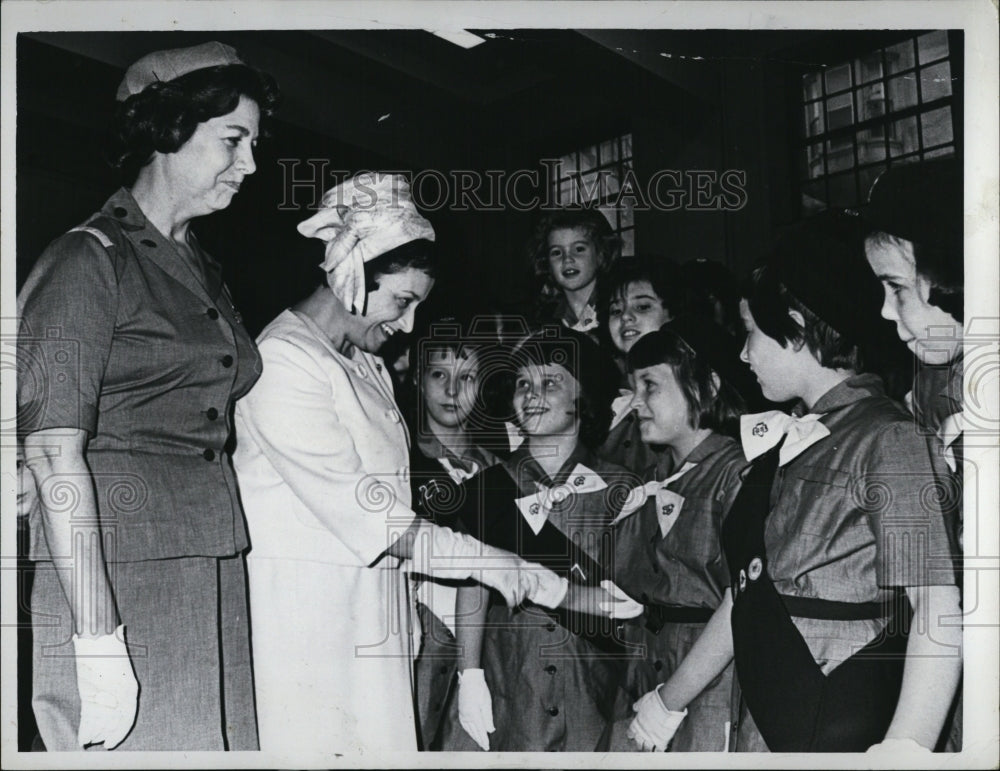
459	37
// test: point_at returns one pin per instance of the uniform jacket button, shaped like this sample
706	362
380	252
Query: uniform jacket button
121	212
212	413
657	665
551	626
209	454
627	443
227	360
212	314
148	242
551	669
553	711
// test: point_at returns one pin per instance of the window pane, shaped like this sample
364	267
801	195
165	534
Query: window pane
628	243
609	151
626	213
868	68
871	102
940	151
871	145
610	214
588	188
899	57
567	164
814	196
866	178
903	137
933	45
627	146
812	161
936	127
610	182
902	92
839	111
810	86
839	155
564	191
588	159
838	78
935	82
814	119
842	190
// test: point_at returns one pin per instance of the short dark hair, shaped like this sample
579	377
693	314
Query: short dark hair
942	270
661	273
589	364
418	254
770	301
164	115
588	219
711	401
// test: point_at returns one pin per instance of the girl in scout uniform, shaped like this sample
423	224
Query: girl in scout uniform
832	539
688	384
570	249
915	250
637	297
532	680
444	454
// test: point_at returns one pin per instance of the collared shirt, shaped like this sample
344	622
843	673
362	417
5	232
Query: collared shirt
128	343
936	394
854	516
687	567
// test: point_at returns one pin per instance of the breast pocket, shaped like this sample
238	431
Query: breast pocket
820	497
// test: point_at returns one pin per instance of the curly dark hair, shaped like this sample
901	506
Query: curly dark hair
164	115
587	218
661	273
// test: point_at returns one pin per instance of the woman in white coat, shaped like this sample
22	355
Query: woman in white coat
322	460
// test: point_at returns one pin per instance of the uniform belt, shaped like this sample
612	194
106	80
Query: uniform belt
832	610
658	615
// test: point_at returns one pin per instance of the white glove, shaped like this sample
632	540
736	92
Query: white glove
109	693
475	707
898	747
623	606
654	725
440	552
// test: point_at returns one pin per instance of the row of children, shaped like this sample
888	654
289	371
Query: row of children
781	524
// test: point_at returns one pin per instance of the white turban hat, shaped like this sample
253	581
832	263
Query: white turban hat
360	219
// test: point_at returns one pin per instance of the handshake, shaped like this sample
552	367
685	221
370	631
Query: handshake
444	553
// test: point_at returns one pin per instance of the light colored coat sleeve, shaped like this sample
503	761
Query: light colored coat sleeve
320	449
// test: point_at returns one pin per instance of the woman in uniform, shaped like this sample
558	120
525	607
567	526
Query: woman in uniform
822	540
131	356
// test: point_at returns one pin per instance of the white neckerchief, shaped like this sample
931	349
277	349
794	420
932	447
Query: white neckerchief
951	429
637	496
457	474
620	406
514	436
760	432
535	508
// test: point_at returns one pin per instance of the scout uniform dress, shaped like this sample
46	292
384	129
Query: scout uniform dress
435	475
323	467
669	557
820	550
121	338
936	403
552	675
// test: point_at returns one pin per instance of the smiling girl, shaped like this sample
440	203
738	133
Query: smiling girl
570	249
820	541
531	679
688	385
